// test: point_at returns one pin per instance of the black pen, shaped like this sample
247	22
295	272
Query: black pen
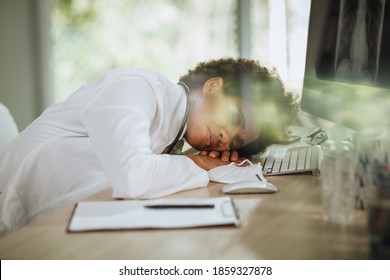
179	206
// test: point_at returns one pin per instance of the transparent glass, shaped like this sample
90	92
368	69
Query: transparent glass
337	181
379	198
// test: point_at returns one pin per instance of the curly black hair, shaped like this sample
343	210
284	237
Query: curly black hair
249	80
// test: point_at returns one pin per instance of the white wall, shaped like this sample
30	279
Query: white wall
24	56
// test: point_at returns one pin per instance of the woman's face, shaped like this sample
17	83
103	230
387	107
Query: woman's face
219	123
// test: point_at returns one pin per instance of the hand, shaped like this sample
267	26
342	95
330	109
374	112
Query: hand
226	156
206	162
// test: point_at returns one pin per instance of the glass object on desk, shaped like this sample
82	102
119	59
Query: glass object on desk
379	197
365	147
337	181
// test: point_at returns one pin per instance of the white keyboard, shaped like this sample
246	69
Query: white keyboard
293	159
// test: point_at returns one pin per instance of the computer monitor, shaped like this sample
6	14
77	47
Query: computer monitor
347	74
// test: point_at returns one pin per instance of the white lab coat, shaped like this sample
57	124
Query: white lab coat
109	133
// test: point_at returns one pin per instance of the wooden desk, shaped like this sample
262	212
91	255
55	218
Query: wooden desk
284	225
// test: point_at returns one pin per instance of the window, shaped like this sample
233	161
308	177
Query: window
170	36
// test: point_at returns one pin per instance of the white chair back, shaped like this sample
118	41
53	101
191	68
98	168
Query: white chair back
8	127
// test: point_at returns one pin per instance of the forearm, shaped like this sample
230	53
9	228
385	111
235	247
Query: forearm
206	162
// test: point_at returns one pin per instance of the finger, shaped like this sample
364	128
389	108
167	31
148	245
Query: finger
204	153
214	154
233	155
225	156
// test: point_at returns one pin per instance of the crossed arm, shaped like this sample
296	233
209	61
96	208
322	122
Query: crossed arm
209	160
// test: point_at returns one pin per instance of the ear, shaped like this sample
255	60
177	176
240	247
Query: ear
213	85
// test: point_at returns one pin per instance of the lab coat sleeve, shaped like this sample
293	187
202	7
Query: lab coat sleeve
118	122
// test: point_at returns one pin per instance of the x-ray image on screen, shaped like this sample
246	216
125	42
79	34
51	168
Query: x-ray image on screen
359	39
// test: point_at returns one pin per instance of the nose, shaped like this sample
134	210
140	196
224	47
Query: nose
224	138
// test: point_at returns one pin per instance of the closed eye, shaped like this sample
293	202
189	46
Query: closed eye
242	119
238	119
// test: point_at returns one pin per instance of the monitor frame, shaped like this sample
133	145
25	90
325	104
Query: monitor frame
354	103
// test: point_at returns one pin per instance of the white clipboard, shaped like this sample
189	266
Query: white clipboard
160	213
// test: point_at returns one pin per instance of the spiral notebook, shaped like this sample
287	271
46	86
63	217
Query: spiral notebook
160	213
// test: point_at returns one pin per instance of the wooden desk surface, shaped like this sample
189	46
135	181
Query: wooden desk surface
284	225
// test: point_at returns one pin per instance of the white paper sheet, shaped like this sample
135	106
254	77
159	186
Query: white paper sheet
132	214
